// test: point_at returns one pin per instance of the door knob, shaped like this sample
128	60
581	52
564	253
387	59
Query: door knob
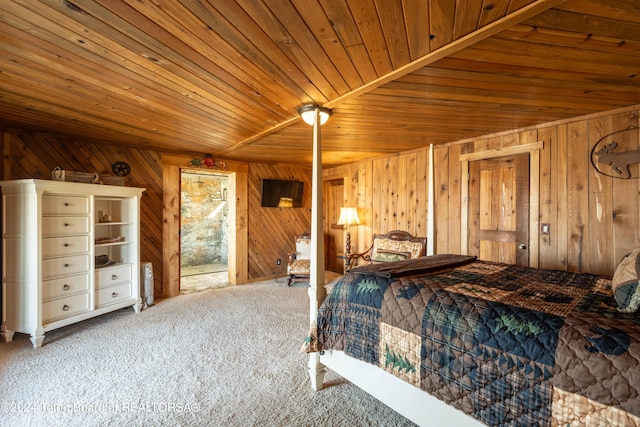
522	246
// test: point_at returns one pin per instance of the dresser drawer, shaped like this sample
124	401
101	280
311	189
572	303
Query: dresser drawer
108	276
64	307
65	286
57	226
54	246
66	265
64	205
106	296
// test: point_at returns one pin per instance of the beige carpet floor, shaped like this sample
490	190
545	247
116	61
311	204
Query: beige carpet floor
222	357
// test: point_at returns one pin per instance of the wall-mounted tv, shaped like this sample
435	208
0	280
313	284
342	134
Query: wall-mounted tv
277	193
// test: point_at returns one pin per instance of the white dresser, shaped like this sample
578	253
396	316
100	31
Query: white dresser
70	251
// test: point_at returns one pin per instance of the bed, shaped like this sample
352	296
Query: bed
451	340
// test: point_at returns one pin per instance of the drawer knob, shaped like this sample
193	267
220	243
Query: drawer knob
66	224
66	287
66	265
65	307
113	295
66	245
66	203
114	277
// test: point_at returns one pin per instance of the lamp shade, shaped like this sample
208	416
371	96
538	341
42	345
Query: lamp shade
308	113
348	216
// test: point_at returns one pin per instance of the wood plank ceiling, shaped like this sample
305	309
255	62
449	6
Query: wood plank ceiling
226	77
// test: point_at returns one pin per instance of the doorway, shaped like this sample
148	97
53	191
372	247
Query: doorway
204	231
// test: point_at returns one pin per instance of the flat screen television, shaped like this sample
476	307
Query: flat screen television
277	193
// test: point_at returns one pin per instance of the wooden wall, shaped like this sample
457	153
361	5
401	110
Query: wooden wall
34	155
271	230
594	219
390	194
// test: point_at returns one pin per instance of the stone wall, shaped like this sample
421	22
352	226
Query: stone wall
204	225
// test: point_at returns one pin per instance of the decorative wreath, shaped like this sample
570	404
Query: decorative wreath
209	162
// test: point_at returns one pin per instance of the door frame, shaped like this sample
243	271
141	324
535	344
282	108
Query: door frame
533	149
229	196
238	173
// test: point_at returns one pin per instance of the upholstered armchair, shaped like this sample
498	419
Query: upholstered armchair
396	245
299	265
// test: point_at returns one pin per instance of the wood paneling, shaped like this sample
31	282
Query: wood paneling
577	224
170	228
227	77
334	234
272	231
35	155
390	193
269	231
625	200
574	200
594	220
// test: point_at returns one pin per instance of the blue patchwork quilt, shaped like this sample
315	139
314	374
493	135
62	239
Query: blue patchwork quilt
508	345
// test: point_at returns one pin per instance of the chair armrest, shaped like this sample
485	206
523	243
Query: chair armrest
366	255
292	257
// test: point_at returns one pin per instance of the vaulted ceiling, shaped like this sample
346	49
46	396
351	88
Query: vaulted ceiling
226	77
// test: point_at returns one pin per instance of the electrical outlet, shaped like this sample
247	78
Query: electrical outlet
278	261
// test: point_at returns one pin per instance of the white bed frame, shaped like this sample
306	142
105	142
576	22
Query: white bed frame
408	400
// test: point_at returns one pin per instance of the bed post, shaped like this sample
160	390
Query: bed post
431	214
317	291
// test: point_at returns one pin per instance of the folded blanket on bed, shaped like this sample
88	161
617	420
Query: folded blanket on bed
414	266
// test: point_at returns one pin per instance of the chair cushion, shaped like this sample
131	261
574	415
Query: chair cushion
303	249
414	249
301	266
625	284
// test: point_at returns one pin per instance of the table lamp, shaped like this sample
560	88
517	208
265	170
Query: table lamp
348	217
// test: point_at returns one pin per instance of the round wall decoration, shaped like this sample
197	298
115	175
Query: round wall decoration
121	168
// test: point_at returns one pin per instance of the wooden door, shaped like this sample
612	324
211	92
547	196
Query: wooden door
499	209
333	200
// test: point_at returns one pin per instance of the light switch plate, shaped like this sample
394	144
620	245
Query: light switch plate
545	229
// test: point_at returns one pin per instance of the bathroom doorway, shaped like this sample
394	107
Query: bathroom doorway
204	231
